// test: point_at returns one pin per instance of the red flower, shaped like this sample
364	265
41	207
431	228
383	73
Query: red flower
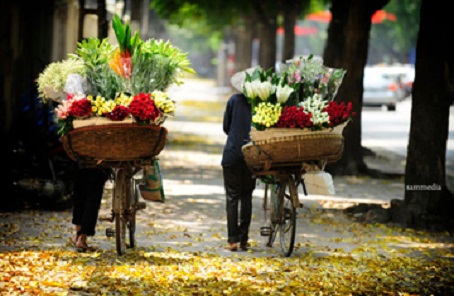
118	113
143	108
293	116
80	108
339	113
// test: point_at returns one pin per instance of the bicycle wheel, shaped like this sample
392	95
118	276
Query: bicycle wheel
119	207
132	206
272	205
287	215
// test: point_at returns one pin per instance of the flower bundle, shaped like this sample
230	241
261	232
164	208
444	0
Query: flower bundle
300	96
145	108
127	80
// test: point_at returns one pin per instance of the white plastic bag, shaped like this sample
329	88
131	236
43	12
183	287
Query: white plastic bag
319	183
74	84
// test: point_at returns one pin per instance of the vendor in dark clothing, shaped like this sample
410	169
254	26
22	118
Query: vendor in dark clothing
238	181
88	192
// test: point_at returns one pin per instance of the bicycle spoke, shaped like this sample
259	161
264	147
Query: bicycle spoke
287	221
271	206
119	210
132	212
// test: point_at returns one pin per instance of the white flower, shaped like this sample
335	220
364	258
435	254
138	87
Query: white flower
264	90
315	105
251	89
283	93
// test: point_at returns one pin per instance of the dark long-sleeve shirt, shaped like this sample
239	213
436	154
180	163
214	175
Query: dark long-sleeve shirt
237	127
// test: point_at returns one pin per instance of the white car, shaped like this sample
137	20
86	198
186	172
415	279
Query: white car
407	74
382	87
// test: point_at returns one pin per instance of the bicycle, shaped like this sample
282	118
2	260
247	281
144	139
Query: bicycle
280	204
126	149
125	203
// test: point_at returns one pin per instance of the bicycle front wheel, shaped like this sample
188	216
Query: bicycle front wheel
287	215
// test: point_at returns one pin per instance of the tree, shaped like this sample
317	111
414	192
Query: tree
26	33
347	48
395	39
426	195
257	17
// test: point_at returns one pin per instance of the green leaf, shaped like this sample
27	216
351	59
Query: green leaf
120	31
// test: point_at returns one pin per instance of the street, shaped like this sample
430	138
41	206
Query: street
389	130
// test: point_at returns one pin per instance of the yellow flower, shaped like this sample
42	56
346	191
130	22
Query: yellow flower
267	114
163	102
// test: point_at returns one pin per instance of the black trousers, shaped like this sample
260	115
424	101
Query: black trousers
88	191
239	185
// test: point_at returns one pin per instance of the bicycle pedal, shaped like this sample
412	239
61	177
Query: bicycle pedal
141	205
110	232
265	231
106	218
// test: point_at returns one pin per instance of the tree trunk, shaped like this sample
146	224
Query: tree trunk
354	58
291	11
26	33
243	49
426	194
333	55
267	27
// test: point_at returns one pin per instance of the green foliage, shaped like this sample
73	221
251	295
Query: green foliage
101	79
93	51
123	34
393	40
156	65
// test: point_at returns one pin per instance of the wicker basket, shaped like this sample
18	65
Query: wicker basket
293	150
116	142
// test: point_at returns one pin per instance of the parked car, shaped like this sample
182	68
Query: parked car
382	87
407	74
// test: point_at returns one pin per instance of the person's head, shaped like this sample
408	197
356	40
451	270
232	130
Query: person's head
238	78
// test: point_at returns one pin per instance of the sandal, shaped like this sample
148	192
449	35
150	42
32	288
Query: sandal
232	247
244	246
73	239
85	248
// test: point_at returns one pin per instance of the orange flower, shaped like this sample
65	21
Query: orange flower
121	63
115	62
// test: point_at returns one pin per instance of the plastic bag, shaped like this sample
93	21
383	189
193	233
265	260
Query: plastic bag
153	189
319	183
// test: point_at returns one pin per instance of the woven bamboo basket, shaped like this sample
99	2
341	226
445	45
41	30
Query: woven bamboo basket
116	142
293	150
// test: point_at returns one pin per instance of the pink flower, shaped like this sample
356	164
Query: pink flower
63	109
295	77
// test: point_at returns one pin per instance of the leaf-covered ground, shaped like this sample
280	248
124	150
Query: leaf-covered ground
180	253
180	242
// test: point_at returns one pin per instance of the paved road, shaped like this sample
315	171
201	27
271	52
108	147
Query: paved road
390	131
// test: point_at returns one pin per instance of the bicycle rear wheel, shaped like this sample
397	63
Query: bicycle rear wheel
286	224
269	206
119	207
132	206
